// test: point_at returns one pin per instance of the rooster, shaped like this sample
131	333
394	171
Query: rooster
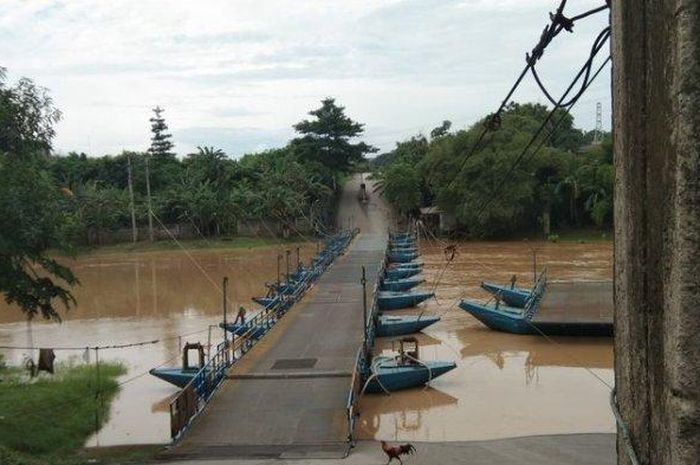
395	452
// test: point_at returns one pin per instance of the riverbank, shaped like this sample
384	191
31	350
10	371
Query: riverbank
48	418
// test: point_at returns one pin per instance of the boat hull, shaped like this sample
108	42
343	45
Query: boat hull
399	244
264	301
238	329
507	319
400	273
514	297
399	285
397	377
397	300
401	257
403	249
175	376
388	326
502	319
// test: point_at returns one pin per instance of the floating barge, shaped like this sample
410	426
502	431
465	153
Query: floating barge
571	308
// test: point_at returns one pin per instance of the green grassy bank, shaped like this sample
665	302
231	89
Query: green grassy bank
46	420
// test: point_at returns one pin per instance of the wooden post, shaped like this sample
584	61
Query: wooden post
287	254
364	307
134	230
225	288
279	258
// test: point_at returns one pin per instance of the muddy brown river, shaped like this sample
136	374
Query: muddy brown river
505	385
133	297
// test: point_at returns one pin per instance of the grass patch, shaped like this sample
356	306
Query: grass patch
103	455
191	244
50	417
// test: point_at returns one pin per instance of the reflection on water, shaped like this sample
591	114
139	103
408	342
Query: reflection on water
504	385
139	297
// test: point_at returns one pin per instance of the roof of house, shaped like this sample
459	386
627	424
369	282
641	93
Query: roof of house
434	210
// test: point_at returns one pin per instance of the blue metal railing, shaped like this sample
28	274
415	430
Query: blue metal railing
363	354
536	295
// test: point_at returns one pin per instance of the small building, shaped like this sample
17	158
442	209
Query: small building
436	220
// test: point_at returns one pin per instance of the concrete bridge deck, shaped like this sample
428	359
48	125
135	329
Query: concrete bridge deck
287	397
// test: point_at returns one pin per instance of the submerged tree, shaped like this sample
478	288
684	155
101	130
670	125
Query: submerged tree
327	138
30	204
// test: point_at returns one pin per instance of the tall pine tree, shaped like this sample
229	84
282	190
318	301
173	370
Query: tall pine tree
160	151
161	145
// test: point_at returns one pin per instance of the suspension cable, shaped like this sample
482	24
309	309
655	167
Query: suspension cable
497	192
558	23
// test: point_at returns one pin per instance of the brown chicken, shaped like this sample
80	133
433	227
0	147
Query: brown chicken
395	452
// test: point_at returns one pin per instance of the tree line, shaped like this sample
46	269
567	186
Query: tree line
568	183
50	202
207	188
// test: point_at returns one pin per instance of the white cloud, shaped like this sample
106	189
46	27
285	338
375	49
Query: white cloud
398	66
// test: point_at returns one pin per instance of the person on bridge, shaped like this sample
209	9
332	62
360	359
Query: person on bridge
240	316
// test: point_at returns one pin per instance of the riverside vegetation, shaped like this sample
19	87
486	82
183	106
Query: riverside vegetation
568	184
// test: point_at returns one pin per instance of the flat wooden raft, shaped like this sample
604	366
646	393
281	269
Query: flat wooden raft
576	302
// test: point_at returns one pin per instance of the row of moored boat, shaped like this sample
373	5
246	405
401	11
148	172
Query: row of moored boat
397	290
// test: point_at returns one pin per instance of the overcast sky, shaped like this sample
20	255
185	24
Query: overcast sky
238	74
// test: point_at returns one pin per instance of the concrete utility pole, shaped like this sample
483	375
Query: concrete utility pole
148	199
656	114
134	230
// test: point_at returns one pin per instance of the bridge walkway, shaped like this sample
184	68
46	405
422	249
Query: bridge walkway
287	397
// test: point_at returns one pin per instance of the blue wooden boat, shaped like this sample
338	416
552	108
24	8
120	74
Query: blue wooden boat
402	236
402	242
400	325
403	250
401	257
180	377
253	332
402	245
513	296
498	317
264	301
392	376
400	273
285	287
403	371
299	275
398	285
405	265
388	300
519	321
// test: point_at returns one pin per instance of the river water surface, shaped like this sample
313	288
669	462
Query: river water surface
170	296
505	385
